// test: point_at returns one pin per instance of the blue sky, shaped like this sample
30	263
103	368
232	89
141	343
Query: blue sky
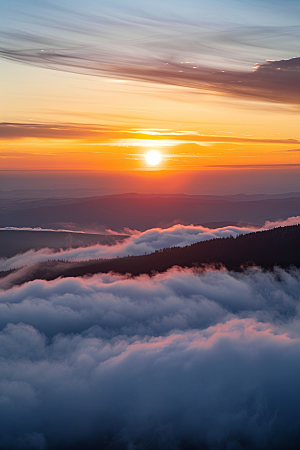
214	33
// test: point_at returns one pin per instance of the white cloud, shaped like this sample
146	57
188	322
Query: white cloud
179	360
139	243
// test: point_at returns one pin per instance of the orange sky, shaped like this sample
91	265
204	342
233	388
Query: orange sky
79	117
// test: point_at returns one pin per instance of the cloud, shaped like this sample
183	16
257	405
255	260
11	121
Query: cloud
282	223
54	131
100	135
139	243
39	229
141	57
271	81
176	300
275	81
165	45
180	360
254	166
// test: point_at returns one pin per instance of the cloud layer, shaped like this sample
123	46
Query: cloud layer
139	243
117	137
270	81
186	45
179	360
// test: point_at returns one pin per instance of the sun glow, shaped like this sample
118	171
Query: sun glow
153	157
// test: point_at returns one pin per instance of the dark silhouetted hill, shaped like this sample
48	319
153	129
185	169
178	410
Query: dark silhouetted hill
276	247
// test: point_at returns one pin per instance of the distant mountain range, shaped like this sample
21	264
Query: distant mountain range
22	194
276	247
141	212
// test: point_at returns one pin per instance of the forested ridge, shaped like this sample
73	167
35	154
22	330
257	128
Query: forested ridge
276	247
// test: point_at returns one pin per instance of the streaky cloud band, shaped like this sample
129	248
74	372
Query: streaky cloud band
272	81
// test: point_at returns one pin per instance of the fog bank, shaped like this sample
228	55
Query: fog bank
179	360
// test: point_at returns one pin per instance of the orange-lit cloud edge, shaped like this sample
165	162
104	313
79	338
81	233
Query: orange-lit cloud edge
93	147
203	101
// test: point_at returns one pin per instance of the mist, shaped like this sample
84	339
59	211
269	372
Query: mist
178	360
138	243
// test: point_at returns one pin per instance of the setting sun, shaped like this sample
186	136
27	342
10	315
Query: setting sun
153	157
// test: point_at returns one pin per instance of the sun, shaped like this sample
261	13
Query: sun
153	157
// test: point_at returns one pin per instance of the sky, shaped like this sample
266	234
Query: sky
182	359
95	85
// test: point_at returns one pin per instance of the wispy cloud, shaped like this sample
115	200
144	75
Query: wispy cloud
272	81
97	134
53	131
166	47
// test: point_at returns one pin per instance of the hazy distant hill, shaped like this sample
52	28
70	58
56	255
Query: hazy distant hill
143	211
13	242
38	194
276	247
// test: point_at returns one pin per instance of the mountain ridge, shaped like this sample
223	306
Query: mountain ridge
267	249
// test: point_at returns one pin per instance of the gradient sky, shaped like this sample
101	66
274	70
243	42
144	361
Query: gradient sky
94	85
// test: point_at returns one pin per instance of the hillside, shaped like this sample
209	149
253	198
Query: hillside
276	247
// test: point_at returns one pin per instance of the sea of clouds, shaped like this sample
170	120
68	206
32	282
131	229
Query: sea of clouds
182	360
138	243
